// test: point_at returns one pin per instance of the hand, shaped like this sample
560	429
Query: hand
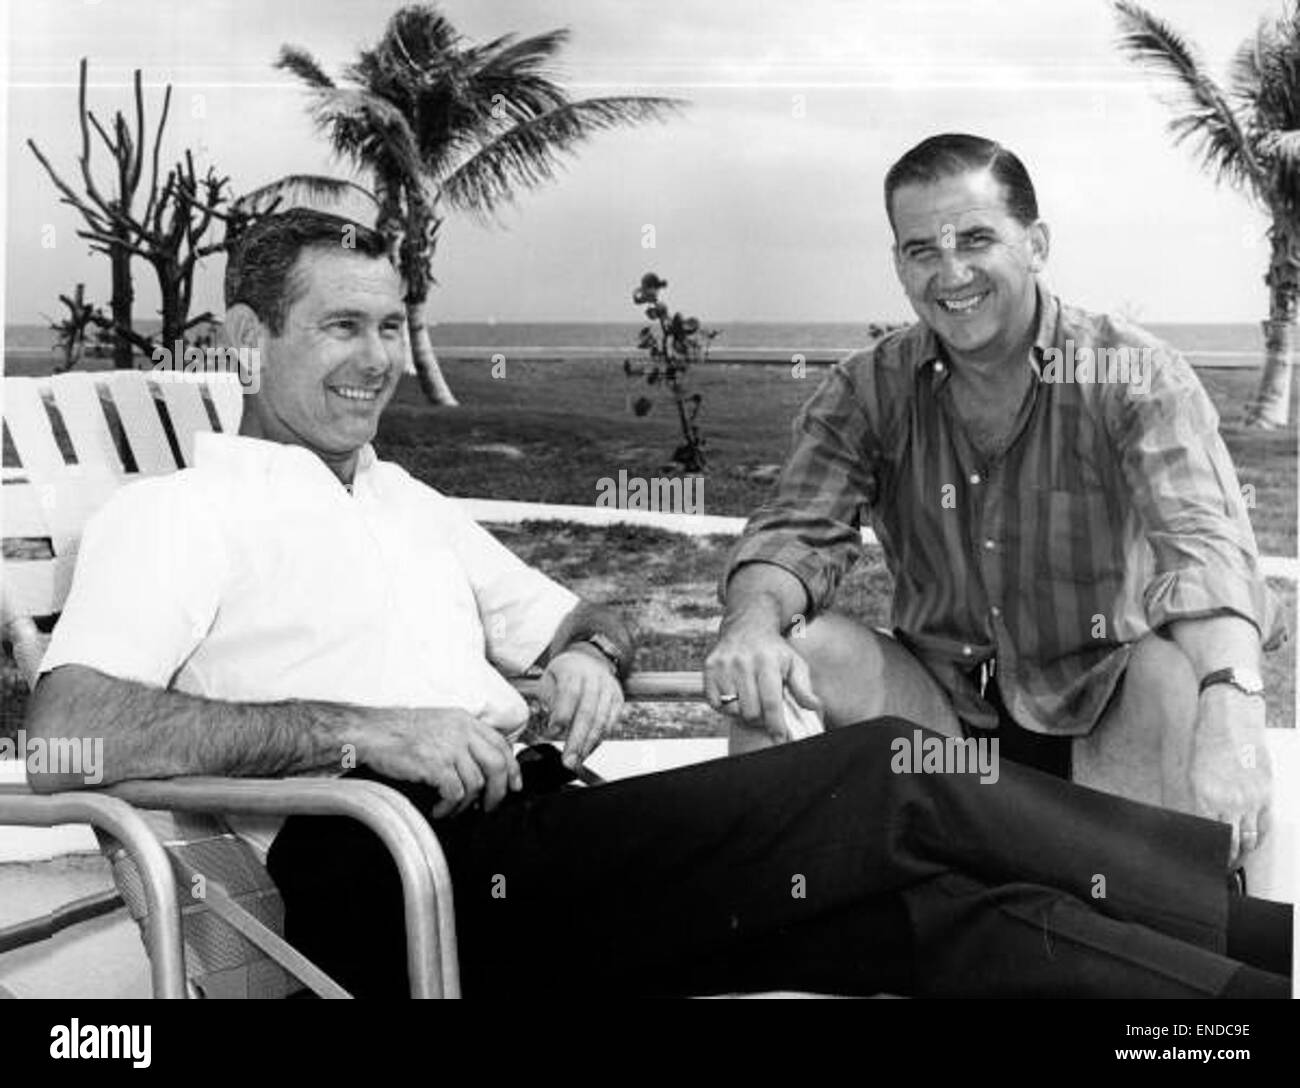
1231	774
753	662
583	694
446	748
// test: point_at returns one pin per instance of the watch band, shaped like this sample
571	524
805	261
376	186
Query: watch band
1251	686
608	649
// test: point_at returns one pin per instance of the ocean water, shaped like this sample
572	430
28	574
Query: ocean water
1206	345
587	335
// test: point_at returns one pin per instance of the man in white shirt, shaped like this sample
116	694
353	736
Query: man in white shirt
293	605
305	604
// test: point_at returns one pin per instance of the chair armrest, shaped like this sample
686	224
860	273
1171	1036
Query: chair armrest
19	805
655	687
426	879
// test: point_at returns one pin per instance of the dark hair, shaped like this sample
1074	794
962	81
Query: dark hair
955	153
260	266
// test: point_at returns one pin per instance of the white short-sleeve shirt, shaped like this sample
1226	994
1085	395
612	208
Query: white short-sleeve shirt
255	577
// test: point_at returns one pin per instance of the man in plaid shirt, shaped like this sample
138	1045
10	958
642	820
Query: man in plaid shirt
1072	560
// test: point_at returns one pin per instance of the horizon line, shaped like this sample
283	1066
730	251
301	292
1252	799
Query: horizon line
44	324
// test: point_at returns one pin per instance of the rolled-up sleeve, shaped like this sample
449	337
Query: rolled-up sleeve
1189	500
519	607
149	579
811	526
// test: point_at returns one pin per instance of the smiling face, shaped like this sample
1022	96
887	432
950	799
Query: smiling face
330	373
967	265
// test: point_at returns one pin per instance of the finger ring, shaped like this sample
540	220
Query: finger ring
725	699
1250	834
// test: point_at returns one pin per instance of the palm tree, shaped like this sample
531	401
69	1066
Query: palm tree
441	123
1249	136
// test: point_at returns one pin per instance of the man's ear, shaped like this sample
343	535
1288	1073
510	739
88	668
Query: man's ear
243	327
1040	245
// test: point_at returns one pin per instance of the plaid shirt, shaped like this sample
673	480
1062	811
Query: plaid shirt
1115	511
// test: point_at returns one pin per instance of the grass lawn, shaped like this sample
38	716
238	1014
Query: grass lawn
548	431
573	424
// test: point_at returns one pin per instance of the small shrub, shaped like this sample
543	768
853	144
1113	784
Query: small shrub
674	343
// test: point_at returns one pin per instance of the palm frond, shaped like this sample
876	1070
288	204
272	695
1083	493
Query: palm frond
1245	71
1280	152
370	131
507	81
297	190
1205	116
376	74
510	56
1265	76
514	98
459	98
431	115
530	152
422	33
303	65
454	119
418	45
474	55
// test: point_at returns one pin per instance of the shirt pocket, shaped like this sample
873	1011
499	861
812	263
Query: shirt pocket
1080	537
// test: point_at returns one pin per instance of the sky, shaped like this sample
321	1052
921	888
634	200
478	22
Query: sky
764	197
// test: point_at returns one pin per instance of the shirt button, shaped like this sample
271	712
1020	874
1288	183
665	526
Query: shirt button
938	368
974	477
997	611
967	651
990	544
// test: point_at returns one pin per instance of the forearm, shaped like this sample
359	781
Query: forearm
1217	642
765	595
587	619
1230	773
153	733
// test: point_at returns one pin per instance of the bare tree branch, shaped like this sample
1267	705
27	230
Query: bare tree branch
157	141
145	343
91	190
112	241
206	317
108	143
138	161
69	195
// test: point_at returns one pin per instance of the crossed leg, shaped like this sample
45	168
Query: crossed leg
859	673
935	885
1142	747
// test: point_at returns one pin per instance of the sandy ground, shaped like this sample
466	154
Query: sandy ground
100	958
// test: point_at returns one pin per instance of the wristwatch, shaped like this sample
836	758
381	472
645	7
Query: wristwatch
608	649
1247	681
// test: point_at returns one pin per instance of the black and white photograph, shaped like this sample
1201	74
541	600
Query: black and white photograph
574	501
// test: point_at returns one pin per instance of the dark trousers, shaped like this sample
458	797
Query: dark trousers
807	866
